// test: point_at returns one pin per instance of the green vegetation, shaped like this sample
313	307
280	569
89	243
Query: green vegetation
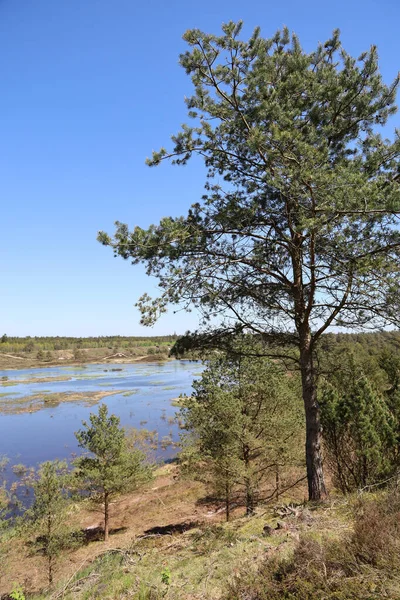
17	593
115	468
359	430
360	565
35	402
297	230
343	551
49	513
44	345
247	424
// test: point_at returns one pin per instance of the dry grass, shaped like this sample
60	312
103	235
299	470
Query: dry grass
168	544
360	564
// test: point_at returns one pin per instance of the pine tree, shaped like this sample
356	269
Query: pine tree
390	363
359	432
247	424
114	468
49	513
298	228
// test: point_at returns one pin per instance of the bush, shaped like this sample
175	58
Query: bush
376	537
363	565
359	433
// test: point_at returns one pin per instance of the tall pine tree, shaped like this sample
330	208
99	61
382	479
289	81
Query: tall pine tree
297	229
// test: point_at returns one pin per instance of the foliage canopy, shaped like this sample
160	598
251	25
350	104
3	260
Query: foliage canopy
297	230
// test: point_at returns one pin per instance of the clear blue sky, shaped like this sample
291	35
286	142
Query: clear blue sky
89	88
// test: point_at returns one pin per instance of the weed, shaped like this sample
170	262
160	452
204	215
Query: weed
166	576
17	593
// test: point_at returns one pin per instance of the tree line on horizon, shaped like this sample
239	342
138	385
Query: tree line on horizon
30	345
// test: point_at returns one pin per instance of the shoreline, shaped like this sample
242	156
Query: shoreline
35	364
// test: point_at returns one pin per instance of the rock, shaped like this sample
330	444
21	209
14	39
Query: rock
268	530
306	516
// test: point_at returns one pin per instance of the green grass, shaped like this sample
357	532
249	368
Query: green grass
236	561
200	561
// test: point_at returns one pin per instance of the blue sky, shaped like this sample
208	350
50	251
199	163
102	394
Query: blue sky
89	89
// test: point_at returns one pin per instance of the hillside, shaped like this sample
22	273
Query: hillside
168	541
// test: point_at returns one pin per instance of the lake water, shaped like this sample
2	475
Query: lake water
31	438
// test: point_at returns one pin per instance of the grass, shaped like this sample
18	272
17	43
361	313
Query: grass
355	560
83	377
346	549
50	379
200	561
19	469
235	561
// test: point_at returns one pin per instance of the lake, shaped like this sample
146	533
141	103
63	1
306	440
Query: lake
145	392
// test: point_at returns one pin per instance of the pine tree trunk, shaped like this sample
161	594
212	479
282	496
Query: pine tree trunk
315	475
48	549
227	502
248	483
249	502
106	510
50	570
277	481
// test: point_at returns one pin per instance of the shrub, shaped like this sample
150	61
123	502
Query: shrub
359	433
376	537
363	565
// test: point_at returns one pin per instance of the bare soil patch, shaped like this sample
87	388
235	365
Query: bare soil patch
164	500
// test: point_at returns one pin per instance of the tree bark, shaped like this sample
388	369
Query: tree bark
249	500
277	481
315	474
248	483
50	570
48	546
227	501
106	509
